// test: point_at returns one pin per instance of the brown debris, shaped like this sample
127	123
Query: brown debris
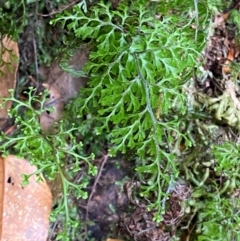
217	89
140	225
62	87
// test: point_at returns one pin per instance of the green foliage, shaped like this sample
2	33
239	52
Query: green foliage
140	58
142	53
227	157
235	19
219	219
15	15
13	18
26	22
217	201
48	151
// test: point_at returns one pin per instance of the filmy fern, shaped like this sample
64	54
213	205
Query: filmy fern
140	58
47	151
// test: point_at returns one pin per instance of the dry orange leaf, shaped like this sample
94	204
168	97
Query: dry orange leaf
25	210
226	68
7	73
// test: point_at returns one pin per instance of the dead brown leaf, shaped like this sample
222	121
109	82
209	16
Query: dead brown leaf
24	214
221	18
62	87
67	85
8	73
55	101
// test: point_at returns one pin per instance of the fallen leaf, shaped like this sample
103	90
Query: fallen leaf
8	72
62	87
221	18
49	118
230	57
67	85
25	210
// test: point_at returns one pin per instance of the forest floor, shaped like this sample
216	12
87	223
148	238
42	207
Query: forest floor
110	211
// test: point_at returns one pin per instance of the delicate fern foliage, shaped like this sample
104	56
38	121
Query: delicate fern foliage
139	60
47	151
219	219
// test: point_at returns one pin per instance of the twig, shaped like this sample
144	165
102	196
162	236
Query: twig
105	157
104	160
33	80
52	230
197	20
60	10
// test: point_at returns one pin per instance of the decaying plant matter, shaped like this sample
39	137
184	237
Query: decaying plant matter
62	87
